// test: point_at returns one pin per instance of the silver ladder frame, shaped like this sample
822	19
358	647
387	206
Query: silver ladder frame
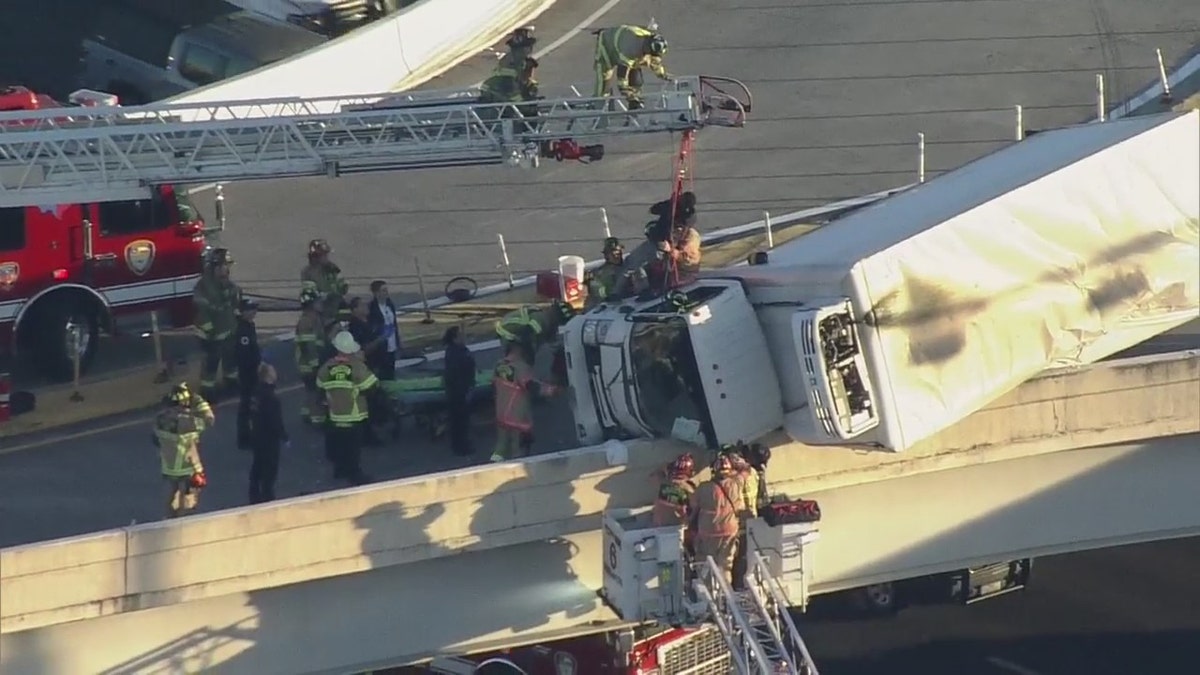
110	153
760	634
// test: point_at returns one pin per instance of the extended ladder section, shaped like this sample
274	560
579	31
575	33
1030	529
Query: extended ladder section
760	634
111	153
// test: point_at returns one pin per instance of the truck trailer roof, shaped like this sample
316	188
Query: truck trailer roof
877	228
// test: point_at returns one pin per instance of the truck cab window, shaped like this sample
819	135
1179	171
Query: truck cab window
666	376
202	65
129	217
12	228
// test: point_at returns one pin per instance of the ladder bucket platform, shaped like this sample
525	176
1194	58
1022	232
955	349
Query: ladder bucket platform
111	153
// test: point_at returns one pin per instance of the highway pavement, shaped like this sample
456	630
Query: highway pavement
841	90
1120	611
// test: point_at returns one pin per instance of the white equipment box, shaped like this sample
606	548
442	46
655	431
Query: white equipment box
787	552
643	567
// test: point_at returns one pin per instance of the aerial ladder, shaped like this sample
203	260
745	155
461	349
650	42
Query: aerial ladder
754	621
108	153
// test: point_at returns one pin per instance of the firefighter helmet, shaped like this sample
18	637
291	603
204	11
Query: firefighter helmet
318	247
219	256
309	296
684	466
612	244
521	38
657	45
722	465
180	394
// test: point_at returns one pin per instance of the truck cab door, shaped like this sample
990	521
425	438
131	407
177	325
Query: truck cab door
128	241
734	364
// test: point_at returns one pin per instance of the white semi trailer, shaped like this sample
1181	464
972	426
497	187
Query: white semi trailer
888	325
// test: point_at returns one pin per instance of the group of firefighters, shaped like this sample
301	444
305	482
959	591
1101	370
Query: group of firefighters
714	513
622	52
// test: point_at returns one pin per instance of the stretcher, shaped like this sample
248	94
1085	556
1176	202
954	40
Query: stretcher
422	397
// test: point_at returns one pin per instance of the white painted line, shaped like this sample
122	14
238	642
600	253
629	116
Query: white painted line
1188	69
1016	668
197	189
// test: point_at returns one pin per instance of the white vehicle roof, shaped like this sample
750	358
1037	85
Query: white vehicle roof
894	220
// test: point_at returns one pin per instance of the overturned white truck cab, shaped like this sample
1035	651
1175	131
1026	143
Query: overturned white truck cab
892	323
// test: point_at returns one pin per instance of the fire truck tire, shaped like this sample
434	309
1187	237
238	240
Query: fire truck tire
877	599
51	345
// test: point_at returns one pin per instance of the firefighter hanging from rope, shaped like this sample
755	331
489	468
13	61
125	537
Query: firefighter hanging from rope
674	235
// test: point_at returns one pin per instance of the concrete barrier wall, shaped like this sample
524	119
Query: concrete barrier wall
486	507
399	52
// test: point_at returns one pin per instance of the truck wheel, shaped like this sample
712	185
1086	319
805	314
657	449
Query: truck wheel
877	599
55	332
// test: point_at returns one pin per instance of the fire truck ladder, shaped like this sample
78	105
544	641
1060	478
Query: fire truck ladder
112	153
755	623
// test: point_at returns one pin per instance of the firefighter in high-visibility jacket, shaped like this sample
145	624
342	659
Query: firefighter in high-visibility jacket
216	298
310	343
345	381
675	492
621	54
515	385
324	277
716	505
532	327
177	431
605	282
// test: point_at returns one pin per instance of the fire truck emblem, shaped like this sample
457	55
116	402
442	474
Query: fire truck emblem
139	256
9	272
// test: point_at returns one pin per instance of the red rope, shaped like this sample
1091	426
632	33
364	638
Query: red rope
683	171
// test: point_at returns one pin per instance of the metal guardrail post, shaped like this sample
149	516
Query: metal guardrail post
1162	76
1020	128
1101	112
921	157
504	257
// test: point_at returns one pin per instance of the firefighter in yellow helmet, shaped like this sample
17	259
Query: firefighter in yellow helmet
310	346
177	431
324	277
621	54
716	505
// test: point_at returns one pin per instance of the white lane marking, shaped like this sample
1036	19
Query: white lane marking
1005	664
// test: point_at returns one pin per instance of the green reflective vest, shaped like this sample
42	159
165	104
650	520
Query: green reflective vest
177	434
345	381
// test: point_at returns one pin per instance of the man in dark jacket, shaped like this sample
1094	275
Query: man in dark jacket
373	343
268	435
382	315
249	356
459	380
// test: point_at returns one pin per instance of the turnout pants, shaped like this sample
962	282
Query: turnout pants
610	70
511	443
343	448
182	496
219	355
722	549
264	469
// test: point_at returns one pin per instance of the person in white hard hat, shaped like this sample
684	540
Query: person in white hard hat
345	379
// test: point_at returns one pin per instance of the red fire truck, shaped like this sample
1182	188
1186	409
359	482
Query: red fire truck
645	650
68	270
